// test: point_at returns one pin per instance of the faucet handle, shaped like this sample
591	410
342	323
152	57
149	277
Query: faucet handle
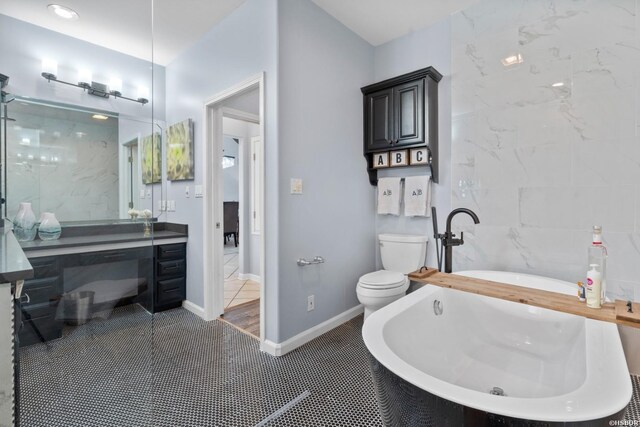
462	237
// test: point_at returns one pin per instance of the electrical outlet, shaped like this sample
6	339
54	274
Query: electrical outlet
171	205
142	194
148	193
198	191
311	302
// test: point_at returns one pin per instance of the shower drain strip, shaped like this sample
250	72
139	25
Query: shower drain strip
290	404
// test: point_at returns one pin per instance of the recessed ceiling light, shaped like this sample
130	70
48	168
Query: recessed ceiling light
63	12
100	117
558	84
512	60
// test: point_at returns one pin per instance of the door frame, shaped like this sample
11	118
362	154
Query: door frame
213	193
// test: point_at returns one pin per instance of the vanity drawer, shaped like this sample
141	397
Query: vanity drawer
114	256
45	266
41	291
178	250
171	268
170	290
39	322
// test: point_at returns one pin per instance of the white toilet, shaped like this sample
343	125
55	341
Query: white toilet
401	254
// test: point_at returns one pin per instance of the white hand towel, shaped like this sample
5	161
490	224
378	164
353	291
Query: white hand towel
417	196
389	196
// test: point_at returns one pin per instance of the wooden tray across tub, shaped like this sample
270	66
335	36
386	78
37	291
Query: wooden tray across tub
610	312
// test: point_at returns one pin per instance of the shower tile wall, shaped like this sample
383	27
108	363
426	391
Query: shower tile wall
62	161
546	148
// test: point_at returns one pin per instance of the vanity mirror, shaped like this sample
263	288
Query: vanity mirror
81	164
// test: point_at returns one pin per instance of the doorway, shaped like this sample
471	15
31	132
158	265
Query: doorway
234	188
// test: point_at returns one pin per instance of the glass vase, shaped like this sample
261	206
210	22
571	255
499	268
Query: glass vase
50	228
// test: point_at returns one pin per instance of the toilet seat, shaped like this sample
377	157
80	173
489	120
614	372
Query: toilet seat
383	279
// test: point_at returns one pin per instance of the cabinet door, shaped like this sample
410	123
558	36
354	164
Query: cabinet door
379	120
409	113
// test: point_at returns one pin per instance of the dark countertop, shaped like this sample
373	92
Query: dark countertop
14	264
100	235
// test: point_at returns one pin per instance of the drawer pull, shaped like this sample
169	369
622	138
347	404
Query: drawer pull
173	251
25	296
175	267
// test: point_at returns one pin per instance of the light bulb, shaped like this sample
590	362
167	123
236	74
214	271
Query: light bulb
115	86
84	77
143	92
49	69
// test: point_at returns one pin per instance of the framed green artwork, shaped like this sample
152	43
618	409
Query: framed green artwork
180	151
151	159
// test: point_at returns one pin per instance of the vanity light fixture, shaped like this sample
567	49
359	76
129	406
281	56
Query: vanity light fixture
85	82
558	84
99	117
63	12
512	60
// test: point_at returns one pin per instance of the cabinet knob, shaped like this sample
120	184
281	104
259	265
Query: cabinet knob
391	142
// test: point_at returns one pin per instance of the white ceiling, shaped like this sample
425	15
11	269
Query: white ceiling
380	21
125	25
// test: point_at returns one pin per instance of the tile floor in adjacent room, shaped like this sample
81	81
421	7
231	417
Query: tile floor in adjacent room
236	291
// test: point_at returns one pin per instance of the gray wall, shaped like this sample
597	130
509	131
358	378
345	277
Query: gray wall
231	175
240	46
322	66
428	47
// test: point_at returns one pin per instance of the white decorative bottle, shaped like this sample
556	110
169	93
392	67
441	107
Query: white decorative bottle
50	228
598	255
24	224
594	287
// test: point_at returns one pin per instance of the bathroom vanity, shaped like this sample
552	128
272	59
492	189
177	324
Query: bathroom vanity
116	263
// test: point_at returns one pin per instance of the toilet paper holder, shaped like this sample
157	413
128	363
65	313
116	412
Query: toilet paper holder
316	260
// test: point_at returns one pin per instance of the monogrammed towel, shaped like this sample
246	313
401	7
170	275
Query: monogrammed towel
389	196
417	196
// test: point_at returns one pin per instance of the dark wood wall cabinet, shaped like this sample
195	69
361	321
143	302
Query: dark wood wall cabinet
402	113
159	271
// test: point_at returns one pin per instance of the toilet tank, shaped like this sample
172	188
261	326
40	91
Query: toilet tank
403	253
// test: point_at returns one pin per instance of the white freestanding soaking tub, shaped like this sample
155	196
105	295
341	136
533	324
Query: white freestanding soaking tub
485	361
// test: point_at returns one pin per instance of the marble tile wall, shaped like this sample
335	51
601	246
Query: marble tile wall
63	162
546	148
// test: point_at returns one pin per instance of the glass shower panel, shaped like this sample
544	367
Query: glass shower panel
85	321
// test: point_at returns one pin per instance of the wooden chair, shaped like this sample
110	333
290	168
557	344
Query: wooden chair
231	221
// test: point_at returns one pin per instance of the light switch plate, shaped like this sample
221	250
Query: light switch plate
186	191
296	186
198	191
172	205
142	194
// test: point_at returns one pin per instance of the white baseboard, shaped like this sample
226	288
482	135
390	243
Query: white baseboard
249	276
280	349
195	309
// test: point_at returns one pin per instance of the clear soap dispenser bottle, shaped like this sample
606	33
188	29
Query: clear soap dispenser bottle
598	256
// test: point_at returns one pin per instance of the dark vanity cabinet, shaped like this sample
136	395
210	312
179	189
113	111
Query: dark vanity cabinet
402	113
155	277
171	276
